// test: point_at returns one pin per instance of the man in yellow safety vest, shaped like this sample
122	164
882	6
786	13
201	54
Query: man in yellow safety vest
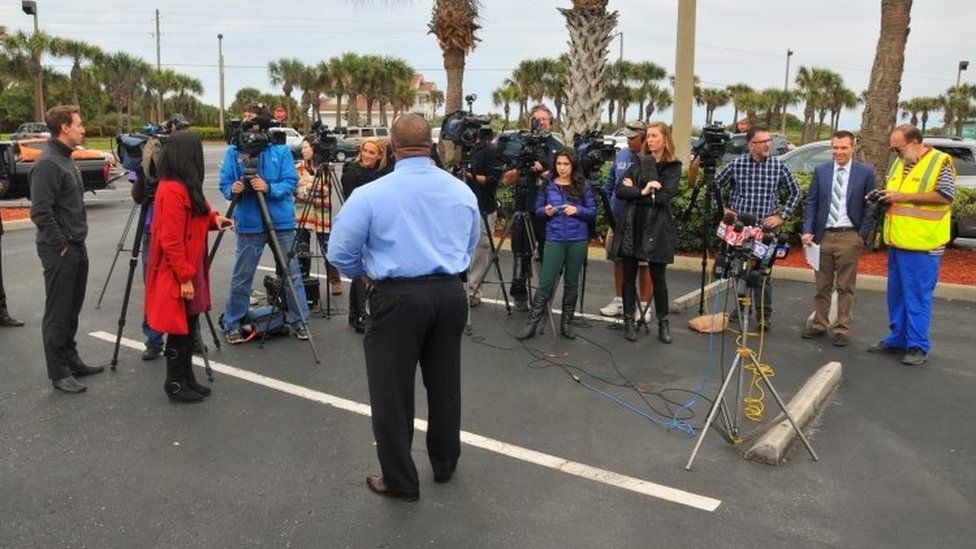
920	186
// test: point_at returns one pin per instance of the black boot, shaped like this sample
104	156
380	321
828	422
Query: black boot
176	386
535	315
663	329
191	380
566	319
630	331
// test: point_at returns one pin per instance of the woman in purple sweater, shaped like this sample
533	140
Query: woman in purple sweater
566	203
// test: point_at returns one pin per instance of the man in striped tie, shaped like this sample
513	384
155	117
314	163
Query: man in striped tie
834	218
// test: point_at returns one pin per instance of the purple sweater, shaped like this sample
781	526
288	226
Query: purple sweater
562	227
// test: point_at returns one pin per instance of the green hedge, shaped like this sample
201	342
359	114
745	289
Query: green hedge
209	133
689	235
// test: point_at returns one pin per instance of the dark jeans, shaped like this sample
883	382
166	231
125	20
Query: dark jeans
305	263
65	281
658	280
411	321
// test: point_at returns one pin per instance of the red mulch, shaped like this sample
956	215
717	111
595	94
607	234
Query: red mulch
14	214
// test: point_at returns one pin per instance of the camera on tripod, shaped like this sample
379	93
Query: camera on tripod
463	129
711	145
325	144
750	249
131	146
594	151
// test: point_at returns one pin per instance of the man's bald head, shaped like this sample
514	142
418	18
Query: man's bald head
410	136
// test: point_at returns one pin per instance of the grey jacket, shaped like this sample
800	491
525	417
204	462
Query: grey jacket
57	192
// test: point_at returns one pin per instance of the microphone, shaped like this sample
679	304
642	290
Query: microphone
648	171
748	219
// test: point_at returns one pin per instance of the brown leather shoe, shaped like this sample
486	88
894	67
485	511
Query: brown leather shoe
376	484
10	322
841	340
813	333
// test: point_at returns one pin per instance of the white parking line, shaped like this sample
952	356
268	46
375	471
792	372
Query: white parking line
581	470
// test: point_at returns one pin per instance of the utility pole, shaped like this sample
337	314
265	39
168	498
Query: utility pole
786	89
30	8
621	34
684	78
963	65
159	68
220	63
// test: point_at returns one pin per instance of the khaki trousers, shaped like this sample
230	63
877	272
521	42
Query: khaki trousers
839	253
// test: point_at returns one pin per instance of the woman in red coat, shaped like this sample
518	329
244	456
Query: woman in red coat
178	279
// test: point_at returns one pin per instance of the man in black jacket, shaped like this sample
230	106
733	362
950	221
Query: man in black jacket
58	211
6	321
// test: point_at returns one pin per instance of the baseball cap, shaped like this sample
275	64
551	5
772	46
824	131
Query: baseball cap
634	128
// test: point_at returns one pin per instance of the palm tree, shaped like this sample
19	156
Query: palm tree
454	23
956	106
738	92
925	105
285	72
812	83
399	71
341	80
311	81
35	45
122	74
182	85
555	84
881	106
590	26
833	90
646	74
78	51
778	101
712	98
356	66
504	97
658	99
619	76
437	98
403	97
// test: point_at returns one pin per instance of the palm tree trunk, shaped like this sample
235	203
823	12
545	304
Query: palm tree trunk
454	66
925	120
38	91
338	116
735	116
882	99
508	109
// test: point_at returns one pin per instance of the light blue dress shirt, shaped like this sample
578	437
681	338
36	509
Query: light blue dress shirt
417	221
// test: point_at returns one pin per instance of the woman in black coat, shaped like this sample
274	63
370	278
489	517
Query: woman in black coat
645	230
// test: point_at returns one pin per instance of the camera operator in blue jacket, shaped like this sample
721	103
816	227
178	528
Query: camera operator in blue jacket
566	204
276	179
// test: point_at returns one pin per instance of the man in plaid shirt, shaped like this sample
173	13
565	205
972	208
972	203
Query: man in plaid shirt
757	181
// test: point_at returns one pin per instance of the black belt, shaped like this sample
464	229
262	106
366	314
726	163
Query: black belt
838	229
436	277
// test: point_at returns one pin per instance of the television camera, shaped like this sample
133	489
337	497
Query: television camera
324	142
594	151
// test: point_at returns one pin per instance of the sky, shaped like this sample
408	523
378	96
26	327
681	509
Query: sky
736	41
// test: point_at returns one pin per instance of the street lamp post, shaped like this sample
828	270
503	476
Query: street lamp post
963	65
786	89
621	35
30	8
220	63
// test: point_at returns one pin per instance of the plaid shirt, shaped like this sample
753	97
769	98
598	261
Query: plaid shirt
755	186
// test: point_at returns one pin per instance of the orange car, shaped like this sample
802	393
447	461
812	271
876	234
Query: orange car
95	166
28	150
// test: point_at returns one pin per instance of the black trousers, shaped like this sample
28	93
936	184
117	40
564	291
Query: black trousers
658	280
411	321
522	257
3	294
65	281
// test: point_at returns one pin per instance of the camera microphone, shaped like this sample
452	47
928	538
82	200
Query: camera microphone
648	171
748	219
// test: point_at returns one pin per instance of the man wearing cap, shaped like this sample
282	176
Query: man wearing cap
635	132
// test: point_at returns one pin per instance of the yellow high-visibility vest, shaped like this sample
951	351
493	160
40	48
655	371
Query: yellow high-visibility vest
916	226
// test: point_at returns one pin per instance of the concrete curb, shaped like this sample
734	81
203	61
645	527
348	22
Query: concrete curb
772	446
19	225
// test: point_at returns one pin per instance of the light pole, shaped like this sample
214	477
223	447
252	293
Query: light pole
621	35
220	63
786	90
684	77
30	8
963	65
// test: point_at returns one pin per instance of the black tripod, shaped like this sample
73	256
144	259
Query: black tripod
713	193
316	199
133	263
281	266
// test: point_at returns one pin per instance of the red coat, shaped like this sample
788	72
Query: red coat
177	244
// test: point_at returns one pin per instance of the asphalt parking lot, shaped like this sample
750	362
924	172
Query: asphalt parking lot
277	456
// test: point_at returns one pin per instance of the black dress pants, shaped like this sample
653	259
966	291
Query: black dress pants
411	321
659	280
65	281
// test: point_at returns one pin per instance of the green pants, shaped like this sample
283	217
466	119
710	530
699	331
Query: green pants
556	256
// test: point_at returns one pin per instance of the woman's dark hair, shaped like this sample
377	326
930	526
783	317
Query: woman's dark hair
182	160
577	186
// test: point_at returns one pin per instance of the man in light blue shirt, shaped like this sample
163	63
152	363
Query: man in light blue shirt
411	233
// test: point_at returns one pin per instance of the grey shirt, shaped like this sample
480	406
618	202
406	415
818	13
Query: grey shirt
57	198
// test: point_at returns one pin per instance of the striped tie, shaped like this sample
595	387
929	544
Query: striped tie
836	197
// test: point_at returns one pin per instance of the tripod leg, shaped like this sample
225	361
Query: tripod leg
782	406
495	250
118	250
220	235
213	331
713	411
203	352
133	263
586	264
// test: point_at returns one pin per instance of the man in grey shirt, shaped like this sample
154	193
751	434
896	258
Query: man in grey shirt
58	211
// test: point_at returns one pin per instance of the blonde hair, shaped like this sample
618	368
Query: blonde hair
380	146
667	155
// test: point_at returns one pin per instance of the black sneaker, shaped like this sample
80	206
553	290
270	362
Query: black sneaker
882	348
301	333
234	337
152	352
914	357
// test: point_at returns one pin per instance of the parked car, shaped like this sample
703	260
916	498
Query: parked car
30	130
803	159
737	146
292	138
95	166
356	134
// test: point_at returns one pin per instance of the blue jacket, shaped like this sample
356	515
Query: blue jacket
277	169
621	163
817	205
562	227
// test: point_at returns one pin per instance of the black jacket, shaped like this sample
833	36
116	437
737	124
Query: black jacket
354	175
645	230
57	198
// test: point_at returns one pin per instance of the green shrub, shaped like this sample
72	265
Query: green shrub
209	133
964	204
